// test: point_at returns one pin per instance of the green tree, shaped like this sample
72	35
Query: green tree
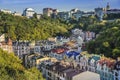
116	52
12	69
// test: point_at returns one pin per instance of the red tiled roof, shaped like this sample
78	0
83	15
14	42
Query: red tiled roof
59	50
109	62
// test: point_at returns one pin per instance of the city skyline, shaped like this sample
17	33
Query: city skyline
62	5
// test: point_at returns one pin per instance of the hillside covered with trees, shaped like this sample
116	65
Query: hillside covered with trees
11	69
22	28
108	41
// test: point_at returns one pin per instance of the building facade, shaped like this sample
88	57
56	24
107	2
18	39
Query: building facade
6	44
17	14
28	12
6	11
21	48
65	71
50	12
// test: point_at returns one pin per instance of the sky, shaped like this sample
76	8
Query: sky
61	5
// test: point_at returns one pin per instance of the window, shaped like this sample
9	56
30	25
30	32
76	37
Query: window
49	74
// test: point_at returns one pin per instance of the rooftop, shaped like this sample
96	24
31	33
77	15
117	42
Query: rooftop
72	72
108	61
29	9
64	68
59	50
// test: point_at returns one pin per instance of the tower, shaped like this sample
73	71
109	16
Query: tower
108	6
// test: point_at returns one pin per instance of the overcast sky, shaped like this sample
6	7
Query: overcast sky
62	5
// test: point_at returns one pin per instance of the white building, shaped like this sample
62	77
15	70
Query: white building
38	16
2	38
6	11
64	15
17	14
42	46
21	48
77	31
28	12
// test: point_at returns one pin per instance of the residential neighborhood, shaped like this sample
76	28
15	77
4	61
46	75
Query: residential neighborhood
57	57
57	40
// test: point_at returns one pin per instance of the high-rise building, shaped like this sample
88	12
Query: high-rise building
47	11
50	12
64	15
55	13
28	12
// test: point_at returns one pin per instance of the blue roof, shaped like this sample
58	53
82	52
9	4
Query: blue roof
72	53
69	54
96	58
